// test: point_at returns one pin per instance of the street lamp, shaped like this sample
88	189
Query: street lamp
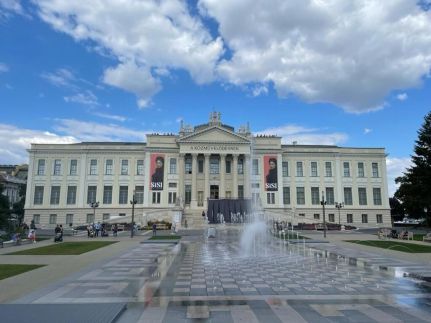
339	206
133	202
93	205
323	203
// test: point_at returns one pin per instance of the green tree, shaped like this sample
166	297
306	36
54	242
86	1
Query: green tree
397	209
4	209
415	184
18	207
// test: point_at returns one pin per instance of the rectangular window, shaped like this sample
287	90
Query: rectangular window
270	198
214	166
57	167
139	194
187	194
313	166
172	197
329	195
91	194
285	168
172	185
228	166
36	218
331	217
316	216
188	165
364	218
71	194
93	167
107	195
301	214
172	166
315	200
53	219
69	219
328	169
375	168
55	195
379	218
140	167
73	167
106	216
361	169
122	198
362	192
377	196
240	191
41	167
346	167
299	169
90	218
240	167
349	218
300	196
255	167
156	197
348	200
286	195
255	185
38	195
121	214
109	166
124	167
200	166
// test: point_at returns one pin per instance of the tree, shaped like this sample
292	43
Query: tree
397	209
415	184
18	207
4	209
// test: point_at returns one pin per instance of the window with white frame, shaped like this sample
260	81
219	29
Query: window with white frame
57	167
55	195
139	194
362	192
286	195
188	163
93	167
109	164
240	166
91	194
375	169
316	216
315	200
214	165
107	194
346	169
71	195
36	218
106	216
41	167
123	195
156	197
361	169
379	218
285	168
328	169
90	218
349	218
124	167
300	195
172	166
299	169
270	198
348	200
38	195
69	219
172	197
255	167
329	195
73	167
364	218
53	219
140	167
331	217
377	196
313	166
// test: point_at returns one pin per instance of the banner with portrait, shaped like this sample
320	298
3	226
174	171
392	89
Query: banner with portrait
270	172
157	167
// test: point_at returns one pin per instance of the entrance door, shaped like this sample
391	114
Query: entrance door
214	192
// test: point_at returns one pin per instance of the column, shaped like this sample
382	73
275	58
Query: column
181	177
247	176
222	188
235	176
207	180
194	202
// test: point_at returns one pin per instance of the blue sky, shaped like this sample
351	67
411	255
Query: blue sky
346	74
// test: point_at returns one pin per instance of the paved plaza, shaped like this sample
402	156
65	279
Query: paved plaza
211	280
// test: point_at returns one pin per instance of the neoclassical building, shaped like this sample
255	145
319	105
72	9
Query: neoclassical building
201	164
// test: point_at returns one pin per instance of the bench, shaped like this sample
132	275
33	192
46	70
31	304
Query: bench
427	237
10	243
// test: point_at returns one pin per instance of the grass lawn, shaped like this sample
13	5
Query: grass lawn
12	270
169	237
65	248
394	245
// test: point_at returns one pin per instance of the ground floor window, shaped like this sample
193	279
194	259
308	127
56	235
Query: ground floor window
240	191
316	216
156	197
301	214
349	218
364	218
331	217
69	219
106	216
270	198
188	194
53	219
172	197
90	218
36	218
379	218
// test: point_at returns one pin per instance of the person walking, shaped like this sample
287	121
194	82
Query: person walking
114	230
154	229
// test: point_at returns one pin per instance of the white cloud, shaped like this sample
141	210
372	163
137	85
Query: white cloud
259	90
367	131
349	53
395	167
305	136
3	68
134	79
85	98
14	141
402	96
62	77
10	7
110	116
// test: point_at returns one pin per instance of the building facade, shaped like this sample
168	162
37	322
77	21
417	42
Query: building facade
208	161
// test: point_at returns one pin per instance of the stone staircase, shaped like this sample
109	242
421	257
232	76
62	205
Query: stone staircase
195	220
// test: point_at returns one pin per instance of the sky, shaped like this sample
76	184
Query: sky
347	73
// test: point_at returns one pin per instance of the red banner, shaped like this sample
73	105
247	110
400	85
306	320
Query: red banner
270	172
157	171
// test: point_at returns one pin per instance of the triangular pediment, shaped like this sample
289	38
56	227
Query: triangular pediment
214	134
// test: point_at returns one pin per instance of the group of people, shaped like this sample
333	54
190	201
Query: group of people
58	233
93	230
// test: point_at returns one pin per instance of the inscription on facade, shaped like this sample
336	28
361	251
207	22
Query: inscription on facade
213	148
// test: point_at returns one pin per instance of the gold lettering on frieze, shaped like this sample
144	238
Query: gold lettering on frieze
214	148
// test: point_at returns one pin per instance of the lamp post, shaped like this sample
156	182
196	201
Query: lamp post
93	205
323	203
133	202
339	206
